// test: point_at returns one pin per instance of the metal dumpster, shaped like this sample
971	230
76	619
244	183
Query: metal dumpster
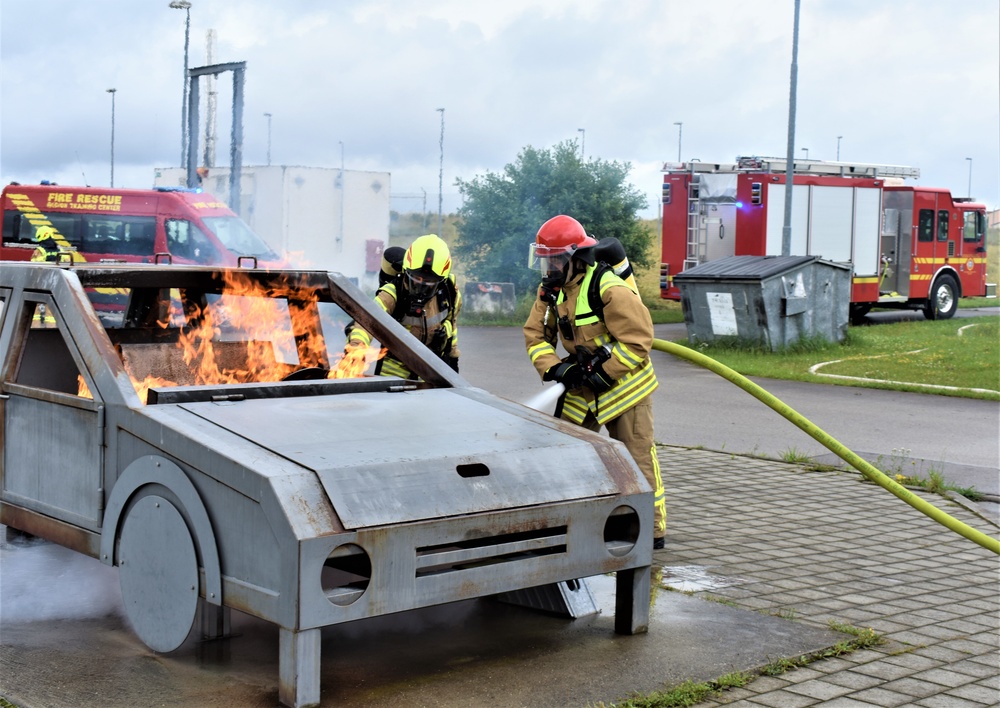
203	436
774	301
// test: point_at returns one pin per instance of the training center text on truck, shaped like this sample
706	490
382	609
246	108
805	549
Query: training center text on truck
910	247
94	224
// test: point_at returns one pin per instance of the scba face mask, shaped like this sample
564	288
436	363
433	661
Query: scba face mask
422	286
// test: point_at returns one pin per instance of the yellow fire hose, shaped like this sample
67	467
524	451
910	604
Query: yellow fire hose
872	473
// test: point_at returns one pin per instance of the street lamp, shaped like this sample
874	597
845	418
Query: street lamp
806	151
583	141
838	147
786	227
679	129
441	172
969	194
268	116
112	92
186	6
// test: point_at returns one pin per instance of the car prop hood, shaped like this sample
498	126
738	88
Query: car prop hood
387	458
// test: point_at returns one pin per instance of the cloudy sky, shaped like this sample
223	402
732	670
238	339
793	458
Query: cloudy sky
904	82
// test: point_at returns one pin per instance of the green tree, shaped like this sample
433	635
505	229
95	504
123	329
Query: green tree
501	212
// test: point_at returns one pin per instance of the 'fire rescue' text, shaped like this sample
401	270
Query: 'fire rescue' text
88	202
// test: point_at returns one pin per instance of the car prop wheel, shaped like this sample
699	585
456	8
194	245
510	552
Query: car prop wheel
158	573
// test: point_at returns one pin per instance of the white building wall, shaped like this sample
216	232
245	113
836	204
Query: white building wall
317	217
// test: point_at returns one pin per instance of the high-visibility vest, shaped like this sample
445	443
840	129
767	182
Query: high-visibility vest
629	389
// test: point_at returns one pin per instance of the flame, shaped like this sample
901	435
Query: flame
355	361
247	334
82	390
142	387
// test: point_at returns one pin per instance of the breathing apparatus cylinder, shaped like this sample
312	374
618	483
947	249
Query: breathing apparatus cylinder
610	251
392	264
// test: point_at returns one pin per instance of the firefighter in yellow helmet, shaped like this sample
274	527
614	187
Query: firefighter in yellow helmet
421	294
608	334
47	249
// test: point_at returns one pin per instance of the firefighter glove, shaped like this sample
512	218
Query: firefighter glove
598	380
452	361
569	375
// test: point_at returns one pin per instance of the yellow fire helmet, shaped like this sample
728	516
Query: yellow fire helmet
44	233
427	262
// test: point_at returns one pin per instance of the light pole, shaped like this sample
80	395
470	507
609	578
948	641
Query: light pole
186	6
441	172
969	194
268	116
112	92
838	147
583	142
806	151
786	227
680	127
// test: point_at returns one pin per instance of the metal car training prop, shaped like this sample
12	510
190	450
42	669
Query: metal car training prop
204	430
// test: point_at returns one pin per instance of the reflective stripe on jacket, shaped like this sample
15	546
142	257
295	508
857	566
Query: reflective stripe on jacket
423	327
626	328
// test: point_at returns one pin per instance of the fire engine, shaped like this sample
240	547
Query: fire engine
909	247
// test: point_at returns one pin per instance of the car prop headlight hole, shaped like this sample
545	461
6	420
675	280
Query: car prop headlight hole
621	531
346	574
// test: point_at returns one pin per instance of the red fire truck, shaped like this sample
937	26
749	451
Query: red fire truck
909	247
166	225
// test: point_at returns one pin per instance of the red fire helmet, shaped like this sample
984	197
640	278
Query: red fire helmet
561	234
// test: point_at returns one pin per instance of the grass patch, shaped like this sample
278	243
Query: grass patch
905	471
788	613
691	693
663	312
935	483
517	318
688	693
908	353
793	454
669	313
974	302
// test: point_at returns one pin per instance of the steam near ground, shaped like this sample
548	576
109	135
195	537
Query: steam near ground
40	580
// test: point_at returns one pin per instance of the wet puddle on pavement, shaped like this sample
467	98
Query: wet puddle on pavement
695	578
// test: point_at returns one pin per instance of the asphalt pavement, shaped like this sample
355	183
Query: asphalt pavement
900	432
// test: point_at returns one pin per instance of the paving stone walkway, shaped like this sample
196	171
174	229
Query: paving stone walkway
827	546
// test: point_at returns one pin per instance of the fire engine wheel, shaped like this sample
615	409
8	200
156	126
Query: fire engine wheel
943	300
158	573
859	312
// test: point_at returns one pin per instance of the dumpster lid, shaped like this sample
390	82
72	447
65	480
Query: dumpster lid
749	267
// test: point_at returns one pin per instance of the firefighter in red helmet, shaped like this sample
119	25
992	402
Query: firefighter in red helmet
607	333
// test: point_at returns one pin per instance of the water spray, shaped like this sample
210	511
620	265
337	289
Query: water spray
546	399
